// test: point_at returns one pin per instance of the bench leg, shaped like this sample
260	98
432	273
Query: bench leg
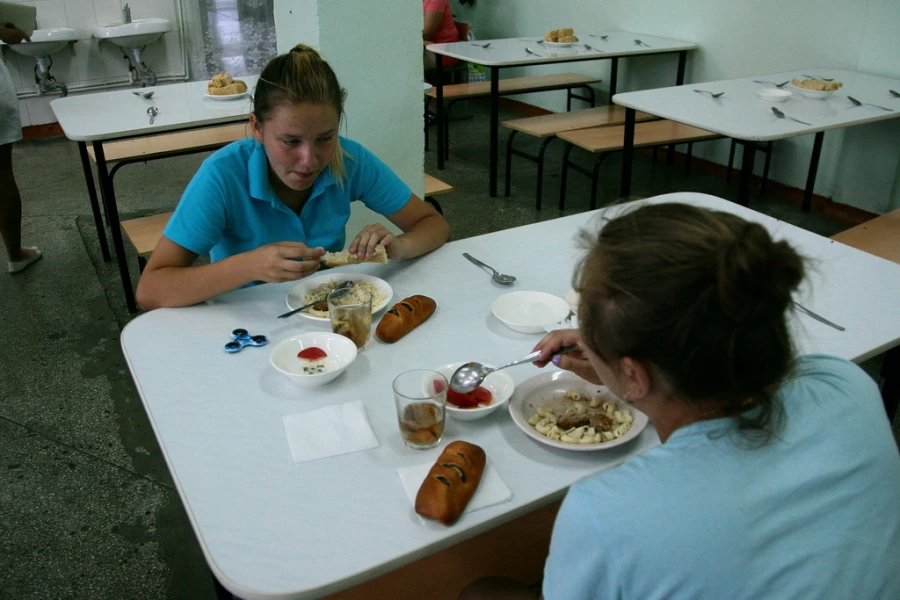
540	173
890	392
687	158
95	205
768	151
430	200
563	176
730	160
509	147
495	123
142	262
813	168
439	110
749	153
613	78
627	153
595	176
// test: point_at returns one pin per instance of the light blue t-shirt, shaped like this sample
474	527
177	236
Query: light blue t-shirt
229	207
813	514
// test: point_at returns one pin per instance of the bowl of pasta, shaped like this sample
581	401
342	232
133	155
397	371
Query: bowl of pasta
562	410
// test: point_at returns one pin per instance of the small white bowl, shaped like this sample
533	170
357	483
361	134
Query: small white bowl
529	312
816	94
774	94
498	383
340	350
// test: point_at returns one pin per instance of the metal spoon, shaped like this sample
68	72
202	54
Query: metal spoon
711	95
530	51
482	45
496	276
587	47
470	375
818	77
152	111
640	43
781	115
342	287
602	37
144	95
858	103
894	93
778	85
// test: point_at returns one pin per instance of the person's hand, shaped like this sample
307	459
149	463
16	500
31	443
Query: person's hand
281	261
363	245
13	35
574	361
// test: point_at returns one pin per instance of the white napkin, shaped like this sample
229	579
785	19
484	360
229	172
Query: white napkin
329	431
491	489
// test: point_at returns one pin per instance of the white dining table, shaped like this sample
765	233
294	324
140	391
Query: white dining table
511	52
739	113
272	528
120	114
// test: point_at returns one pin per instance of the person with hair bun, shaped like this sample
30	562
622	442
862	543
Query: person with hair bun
777	476
268	207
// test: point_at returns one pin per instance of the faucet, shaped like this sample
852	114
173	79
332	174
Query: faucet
126	14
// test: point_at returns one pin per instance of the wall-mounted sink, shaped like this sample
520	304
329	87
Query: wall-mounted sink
135	34
45	42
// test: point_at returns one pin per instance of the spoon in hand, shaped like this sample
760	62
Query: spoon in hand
470	375
495	275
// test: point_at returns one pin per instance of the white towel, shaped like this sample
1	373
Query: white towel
329	431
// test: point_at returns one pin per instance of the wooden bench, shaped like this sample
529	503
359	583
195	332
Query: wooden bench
143	233
602	140
547	127
507	87
881	237
151	147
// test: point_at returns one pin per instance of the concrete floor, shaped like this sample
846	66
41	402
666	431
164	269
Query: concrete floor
87	506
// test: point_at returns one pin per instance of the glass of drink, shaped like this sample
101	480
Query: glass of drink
421	399
351	315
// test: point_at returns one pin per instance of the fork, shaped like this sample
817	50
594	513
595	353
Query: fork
818	77
781	115
587	47
858	103
711	95
778	85
482	45
530	51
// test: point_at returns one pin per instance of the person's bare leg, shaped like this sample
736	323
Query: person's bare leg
11	209
498	588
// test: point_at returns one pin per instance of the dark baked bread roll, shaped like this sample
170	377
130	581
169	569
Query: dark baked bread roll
451	482
403	317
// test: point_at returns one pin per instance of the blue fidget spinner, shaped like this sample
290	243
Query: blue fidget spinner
243	338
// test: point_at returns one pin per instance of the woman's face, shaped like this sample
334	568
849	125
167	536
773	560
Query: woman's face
300	140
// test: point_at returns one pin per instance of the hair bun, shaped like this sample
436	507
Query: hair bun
756	276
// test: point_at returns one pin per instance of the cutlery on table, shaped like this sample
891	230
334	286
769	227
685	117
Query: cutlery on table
778	85
817	317
588	47
602	37
781	115
152	111
530	51
894	93
711	95
470	375
818	77
540	41
858	103
482	45
640	43
342	288
144	95
496	276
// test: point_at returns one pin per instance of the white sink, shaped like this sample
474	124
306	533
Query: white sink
132	35
46	41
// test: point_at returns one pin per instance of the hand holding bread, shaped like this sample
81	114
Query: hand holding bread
451	482
338	259
403	317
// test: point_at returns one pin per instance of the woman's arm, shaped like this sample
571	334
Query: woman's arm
169	279
424	229
432	23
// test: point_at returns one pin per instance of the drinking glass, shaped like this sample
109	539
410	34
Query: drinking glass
421	399
351	315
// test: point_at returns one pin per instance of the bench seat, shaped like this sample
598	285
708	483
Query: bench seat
514	85
880	236
172	144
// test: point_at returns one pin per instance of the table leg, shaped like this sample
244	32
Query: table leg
746	172
890	392
495	119
95	205
682	61
613	78
112	214
813	168
627	153
439	83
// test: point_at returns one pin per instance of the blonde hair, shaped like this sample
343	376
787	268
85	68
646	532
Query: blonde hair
301	76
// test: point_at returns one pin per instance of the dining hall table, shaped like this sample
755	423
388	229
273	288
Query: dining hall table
272	528
508	53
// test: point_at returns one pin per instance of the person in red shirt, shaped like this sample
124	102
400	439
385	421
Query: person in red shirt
439	28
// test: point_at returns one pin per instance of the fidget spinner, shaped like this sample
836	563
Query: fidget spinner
243	338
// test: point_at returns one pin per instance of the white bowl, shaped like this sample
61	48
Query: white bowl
297	294
816	94
498	383
774	94
340	350
529	312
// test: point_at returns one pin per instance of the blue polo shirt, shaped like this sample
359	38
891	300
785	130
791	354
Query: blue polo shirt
229	207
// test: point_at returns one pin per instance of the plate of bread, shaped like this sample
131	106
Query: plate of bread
560	38
224	87
316	288
816	88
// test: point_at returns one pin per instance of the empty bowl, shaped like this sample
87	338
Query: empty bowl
529	312
774	94
340	352
498	383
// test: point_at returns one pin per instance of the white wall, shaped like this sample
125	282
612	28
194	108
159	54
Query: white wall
92	65
374	48
738	38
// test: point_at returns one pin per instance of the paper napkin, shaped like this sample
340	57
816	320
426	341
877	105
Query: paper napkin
329	431
491	490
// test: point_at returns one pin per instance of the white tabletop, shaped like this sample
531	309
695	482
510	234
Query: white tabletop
270	528
740	113
118	114
510	52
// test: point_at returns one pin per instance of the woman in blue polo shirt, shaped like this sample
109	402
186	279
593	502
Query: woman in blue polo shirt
267	208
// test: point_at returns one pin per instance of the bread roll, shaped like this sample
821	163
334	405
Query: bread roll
403	317
220	80
337	259
235	87
451	482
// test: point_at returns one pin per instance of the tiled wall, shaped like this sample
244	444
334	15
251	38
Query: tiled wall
93	65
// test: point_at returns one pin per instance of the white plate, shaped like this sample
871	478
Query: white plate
529	312
228	97
560	44
498	383
298	292
533	392
572	299
774	95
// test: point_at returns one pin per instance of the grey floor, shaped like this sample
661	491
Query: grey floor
87	507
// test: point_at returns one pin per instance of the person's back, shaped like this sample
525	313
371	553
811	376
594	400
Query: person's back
813	513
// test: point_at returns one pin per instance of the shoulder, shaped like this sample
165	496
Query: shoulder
234	155
830	374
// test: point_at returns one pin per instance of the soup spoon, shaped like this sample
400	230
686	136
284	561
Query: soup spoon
152	111
472	374
495	275
144	95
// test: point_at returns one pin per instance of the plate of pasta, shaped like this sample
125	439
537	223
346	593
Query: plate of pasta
313	289
564	411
